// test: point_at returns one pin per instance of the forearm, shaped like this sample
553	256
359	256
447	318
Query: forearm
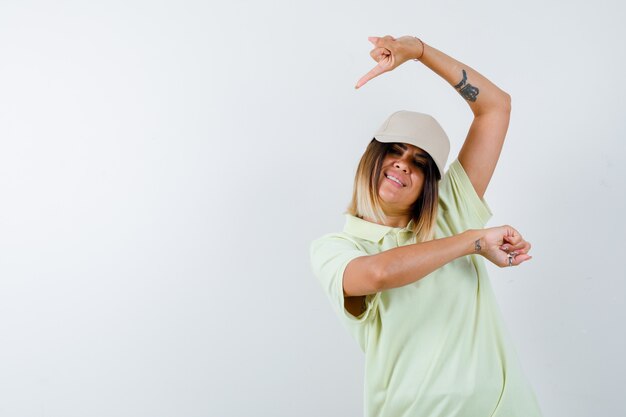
481	94
406	264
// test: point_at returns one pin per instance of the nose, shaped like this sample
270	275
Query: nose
402	164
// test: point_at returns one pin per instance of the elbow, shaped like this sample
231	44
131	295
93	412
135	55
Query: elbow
362	277
498	104
506	103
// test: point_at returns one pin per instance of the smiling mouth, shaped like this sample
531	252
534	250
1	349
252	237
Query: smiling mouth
395	180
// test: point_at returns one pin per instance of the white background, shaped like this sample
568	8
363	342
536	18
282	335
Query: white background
164	166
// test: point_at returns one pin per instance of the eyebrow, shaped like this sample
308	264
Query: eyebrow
417	154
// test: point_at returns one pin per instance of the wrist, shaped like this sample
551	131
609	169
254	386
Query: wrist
475	242
419	50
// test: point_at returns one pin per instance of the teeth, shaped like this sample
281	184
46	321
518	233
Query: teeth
394	179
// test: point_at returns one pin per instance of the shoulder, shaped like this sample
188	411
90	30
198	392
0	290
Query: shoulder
334	248
458	198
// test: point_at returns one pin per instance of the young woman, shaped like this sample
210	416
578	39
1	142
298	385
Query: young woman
406	275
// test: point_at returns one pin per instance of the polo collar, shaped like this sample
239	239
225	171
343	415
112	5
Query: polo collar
373	232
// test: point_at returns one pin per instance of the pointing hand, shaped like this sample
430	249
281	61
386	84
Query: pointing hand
390	53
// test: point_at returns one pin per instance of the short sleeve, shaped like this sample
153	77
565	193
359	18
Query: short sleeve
462	208
330	255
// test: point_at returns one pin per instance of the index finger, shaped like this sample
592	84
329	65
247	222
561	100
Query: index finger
374	72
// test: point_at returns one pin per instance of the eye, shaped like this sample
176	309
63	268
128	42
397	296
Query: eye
419	163
395	150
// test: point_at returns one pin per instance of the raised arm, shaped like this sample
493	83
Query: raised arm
491	106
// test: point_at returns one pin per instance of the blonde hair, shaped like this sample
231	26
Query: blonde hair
366	201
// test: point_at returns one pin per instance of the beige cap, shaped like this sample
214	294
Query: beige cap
418	129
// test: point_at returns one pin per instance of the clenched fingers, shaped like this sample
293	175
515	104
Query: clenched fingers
379	53
522	247
517	259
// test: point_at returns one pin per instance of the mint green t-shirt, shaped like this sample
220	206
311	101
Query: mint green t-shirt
438	346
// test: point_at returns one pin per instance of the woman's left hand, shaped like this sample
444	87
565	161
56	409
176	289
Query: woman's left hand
390	53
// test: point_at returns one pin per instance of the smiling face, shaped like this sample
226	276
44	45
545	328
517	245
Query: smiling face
402	177
396	183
